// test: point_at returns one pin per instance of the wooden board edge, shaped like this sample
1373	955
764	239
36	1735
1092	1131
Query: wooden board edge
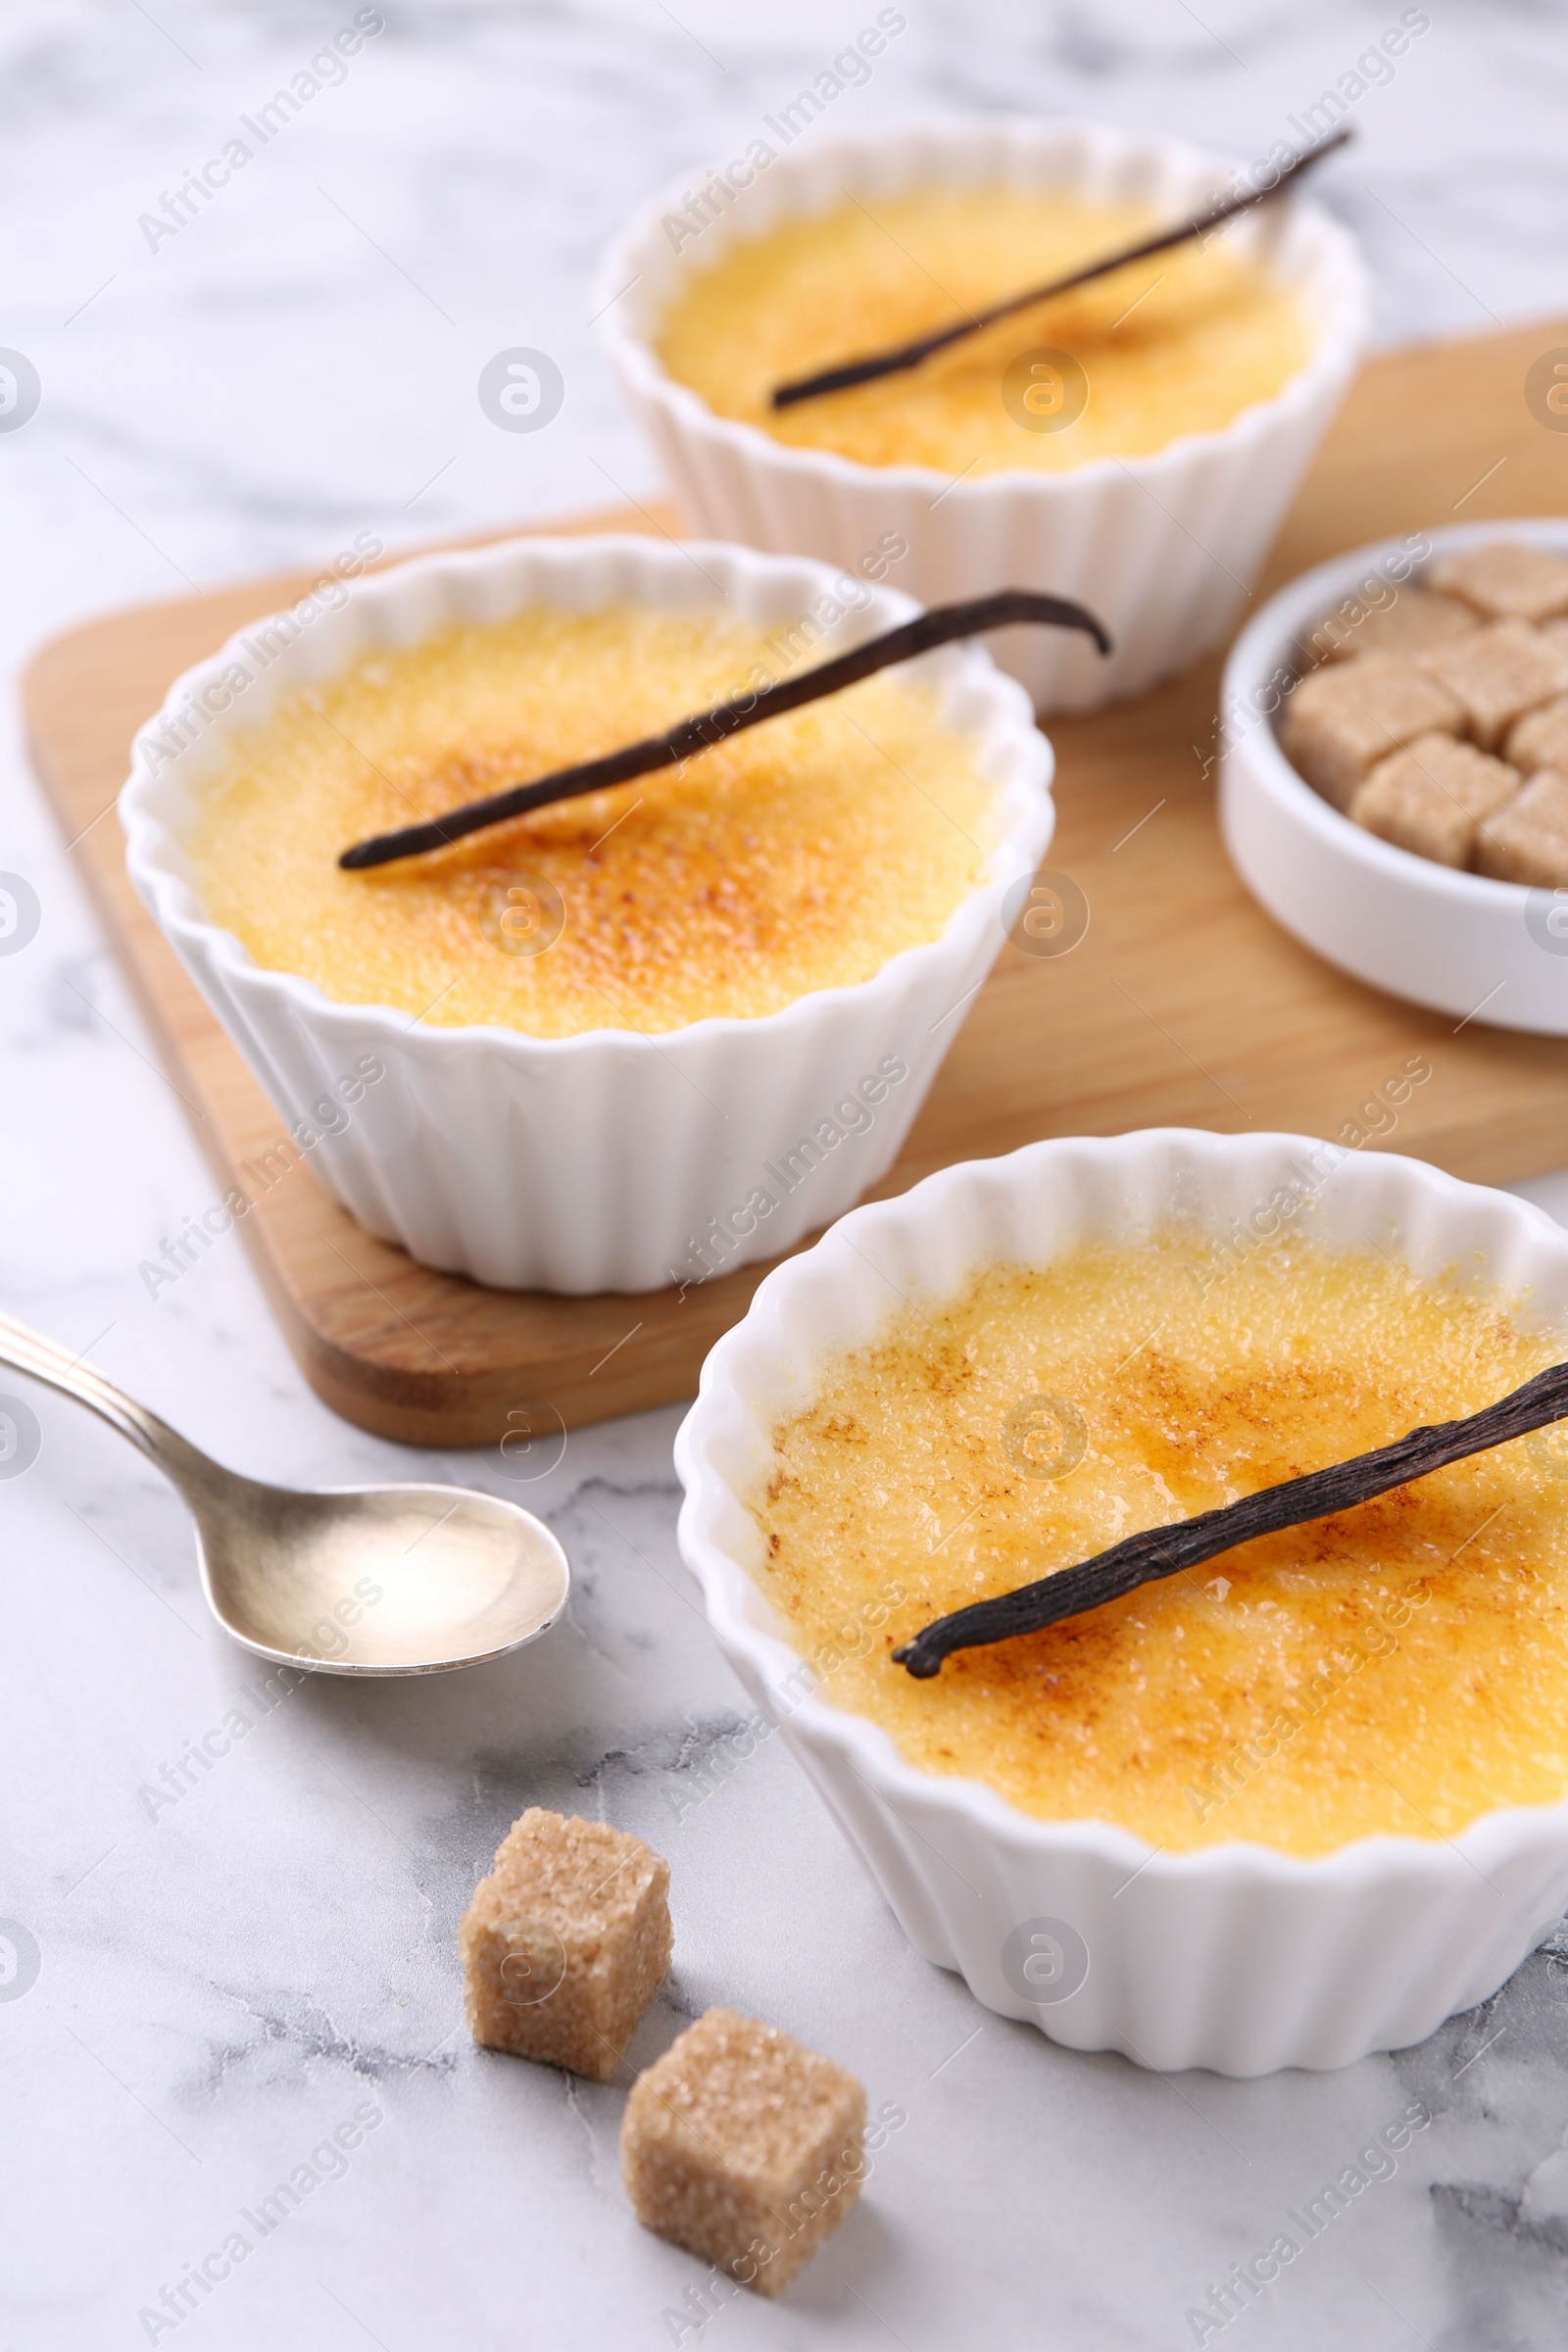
268	592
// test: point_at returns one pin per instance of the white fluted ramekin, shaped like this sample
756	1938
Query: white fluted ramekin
1236	1956
593	1162
1494	952
1163	548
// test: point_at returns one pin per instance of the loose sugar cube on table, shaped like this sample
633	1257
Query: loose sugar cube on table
1528	840
1499	673
1344	718
1507	580
744	2147
1429	797
565	1942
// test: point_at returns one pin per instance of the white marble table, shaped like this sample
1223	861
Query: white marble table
226	1976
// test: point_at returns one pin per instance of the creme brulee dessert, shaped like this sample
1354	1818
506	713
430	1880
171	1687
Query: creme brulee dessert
1401	1668
1178	344
799	856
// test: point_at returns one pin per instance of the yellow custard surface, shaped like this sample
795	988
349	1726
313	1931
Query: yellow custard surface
1178	344
1401	1667
798	855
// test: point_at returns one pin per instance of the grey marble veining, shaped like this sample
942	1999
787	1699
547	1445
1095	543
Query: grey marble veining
235	1956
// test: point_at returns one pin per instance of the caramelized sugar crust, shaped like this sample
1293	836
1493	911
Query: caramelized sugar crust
1401	1667
1178	344
802	855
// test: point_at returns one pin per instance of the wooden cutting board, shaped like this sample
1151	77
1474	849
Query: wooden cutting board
1182	1005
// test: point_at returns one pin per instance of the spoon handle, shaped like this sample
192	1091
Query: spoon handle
26	1351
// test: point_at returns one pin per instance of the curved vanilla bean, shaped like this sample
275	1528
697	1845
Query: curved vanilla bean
1166	1550
910	354
938	626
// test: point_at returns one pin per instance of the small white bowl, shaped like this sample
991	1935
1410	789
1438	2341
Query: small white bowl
1162	548
1236	1956
592	1163
1494	952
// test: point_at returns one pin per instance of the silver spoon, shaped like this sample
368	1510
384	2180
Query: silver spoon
357	1580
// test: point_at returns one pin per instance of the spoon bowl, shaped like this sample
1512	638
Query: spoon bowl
378	1580
356	1580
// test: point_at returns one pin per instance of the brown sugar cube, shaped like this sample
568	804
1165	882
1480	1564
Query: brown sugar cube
1429	798
744	2147
1344	718
1528	840
1499	674
1413	622
1555	632
565	1942
1541	740
1507	580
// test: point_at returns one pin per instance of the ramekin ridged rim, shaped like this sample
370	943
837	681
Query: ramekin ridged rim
1344	324
153	857
735	1604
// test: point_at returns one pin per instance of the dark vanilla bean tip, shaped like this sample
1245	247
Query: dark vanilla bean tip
409	843
922	1659
861	372
1159	1551
942	624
